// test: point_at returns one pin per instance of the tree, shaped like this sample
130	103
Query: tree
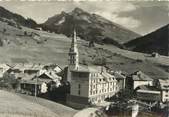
30	23
25	33
100	61
4	30
91	43
1	43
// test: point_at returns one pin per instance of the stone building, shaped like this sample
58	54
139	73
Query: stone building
163	86
158	92
89	85
148	93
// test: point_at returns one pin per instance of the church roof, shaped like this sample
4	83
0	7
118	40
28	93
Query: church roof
85	68
99	70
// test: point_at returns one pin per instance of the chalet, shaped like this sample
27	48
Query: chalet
24	71
148	93
49	78
33	87
158	92
155	55
15	73
27	66
163	86
40	82
3	69
138	78
50	68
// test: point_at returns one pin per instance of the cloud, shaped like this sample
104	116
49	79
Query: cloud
110	10
128	22
141	17
107	6
151	15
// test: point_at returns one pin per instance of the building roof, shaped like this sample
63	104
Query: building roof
164	84
50	75
138	75
5	66
53	67
148	93
148	88
24	66
85	68
107	75
28	77
31	82
119	75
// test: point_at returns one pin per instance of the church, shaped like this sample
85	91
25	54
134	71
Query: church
89	85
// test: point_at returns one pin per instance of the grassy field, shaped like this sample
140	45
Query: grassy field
12	105
54	49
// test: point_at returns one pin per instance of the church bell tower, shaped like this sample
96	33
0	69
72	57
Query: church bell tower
73	53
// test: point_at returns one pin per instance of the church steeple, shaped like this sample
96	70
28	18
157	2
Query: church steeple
73	53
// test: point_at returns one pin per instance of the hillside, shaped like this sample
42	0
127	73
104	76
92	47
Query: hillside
53	48
157	41
10	17
90	27
13	105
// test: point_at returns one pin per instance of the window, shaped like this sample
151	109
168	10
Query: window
79	86
79	92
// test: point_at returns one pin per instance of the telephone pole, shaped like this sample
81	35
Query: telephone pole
36	86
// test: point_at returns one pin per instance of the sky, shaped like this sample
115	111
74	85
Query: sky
141	17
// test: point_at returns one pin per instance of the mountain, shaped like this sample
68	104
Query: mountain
89	27
157	41
9	17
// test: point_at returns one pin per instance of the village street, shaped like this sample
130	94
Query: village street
87	112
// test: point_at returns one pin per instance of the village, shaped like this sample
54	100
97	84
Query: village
81	86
